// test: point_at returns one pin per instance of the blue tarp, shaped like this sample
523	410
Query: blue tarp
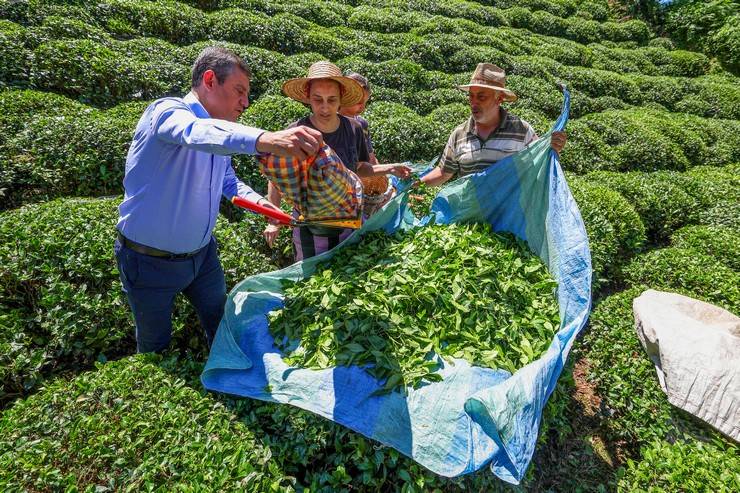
475	416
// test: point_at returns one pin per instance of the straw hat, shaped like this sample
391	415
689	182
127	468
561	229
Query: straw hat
490	76
296	88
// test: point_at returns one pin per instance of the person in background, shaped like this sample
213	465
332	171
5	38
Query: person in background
356	110
177	169
490	134
325	90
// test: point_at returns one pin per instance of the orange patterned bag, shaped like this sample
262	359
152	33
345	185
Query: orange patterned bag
320	187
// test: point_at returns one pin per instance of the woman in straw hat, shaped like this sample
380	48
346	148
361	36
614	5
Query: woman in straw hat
325	90
490	134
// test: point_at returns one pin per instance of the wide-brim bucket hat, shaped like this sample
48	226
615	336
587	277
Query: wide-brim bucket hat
351	92
490	76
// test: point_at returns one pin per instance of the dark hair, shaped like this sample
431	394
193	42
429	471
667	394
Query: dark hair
221	60
360	79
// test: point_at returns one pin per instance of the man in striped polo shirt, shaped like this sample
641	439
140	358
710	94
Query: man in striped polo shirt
490	134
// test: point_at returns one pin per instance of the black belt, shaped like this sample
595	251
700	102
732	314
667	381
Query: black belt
153	252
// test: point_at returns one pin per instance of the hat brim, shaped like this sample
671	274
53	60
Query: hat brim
296	89
509	96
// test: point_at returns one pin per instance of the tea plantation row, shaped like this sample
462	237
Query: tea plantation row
73	57
187	24
52	146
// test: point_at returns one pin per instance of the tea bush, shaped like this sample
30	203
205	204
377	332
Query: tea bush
169	20
402	75
586	150
614	229
273	113
564	51
719	242
62	291
444	120
594	10
435	51
648	140
719	190
399	134
687	270
256	29
130	424
269	68
15	58
711	185
82	154
384	20
55	27
684	465
102	75
659	199
17	107
62	288
328	14
719	98
424	102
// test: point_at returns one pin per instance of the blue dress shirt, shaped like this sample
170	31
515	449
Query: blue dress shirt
177	168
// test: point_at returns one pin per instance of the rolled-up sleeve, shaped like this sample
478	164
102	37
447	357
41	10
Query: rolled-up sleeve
174	123
447	160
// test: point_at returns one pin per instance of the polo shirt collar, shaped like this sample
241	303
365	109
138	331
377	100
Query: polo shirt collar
195	106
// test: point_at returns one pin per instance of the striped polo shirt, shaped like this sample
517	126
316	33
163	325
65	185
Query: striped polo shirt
467	153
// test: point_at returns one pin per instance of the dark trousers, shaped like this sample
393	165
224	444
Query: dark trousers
151	284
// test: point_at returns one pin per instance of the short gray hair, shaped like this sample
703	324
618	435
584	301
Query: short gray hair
221	60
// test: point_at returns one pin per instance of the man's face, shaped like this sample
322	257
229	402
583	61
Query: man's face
324	98
484	104
226	100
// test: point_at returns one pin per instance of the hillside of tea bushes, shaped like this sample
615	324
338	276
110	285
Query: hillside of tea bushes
653	160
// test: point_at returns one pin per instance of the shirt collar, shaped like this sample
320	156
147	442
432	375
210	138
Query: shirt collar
192	101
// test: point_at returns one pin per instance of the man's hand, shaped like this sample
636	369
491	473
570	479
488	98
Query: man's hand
558	141
299	142
272	231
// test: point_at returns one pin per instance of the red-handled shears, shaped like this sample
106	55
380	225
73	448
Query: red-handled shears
288	220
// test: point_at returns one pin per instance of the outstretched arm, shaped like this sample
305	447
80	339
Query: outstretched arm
436	177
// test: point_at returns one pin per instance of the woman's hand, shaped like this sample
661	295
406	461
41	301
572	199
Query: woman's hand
399	170
271	233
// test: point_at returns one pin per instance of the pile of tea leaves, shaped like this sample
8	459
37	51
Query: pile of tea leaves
392	301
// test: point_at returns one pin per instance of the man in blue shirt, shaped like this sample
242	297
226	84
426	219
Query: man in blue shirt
177	169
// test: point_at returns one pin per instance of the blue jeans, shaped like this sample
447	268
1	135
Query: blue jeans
151	284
